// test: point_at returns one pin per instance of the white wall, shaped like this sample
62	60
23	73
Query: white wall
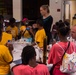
17	9
58	4
54	5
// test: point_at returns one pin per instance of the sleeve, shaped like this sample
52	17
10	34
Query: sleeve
46	71
50	22
8	28
9	36
55	54
51	56
16	71
7	56
22	28
36	37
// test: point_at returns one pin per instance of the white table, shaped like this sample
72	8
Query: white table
18	47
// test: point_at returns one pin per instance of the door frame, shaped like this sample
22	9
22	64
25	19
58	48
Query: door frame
64	5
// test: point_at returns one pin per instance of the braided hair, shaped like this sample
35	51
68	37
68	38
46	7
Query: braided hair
27	54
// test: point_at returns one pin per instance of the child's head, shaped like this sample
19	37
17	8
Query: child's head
28	54
12	22
60	21
25	21
39	23
63	29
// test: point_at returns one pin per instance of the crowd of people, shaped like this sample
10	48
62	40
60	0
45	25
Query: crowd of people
60	36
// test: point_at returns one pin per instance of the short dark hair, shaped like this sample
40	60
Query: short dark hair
27	54
63	29
56	23
40	22
60	21
1	17
12	20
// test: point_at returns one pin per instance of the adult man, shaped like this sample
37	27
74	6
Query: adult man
73	32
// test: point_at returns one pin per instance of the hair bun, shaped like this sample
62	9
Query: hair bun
63	29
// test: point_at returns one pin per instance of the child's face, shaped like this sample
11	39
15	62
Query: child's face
24	22
12	25
38	26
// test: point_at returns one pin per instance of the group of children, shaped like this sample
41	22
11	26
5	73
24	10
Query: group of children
25	31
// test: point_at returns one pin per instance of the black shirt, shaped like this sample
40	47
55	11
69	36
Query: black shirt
47	24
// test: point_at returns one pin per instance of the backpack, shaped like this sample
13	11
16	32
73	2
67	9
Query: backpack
68	62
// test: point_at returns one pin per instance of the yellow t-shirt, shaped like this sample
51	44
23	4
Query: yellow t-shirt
39	37
5	38
22	28
26	34
5	59
14	30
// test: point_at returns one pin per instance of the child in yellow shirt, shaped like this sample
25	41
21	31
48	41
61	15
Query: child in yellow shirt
5	38
40	34
5	57
12	28
23	29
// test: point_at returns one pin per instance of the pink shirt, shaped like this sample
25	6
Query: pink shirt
56	54
27	70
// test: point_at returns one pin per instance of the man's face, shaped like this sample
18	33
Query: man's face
73	32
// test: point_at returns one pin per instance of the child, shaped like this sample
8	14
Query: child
25	29
5	36
12	28
56	52
40	34
5	57
29	65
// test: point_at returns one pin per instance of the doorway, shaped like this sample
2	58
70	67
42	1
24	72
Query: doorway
31	8
69	10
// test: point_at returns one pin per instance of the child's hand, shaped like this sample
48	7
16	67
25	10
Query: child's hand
34	25
10	46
